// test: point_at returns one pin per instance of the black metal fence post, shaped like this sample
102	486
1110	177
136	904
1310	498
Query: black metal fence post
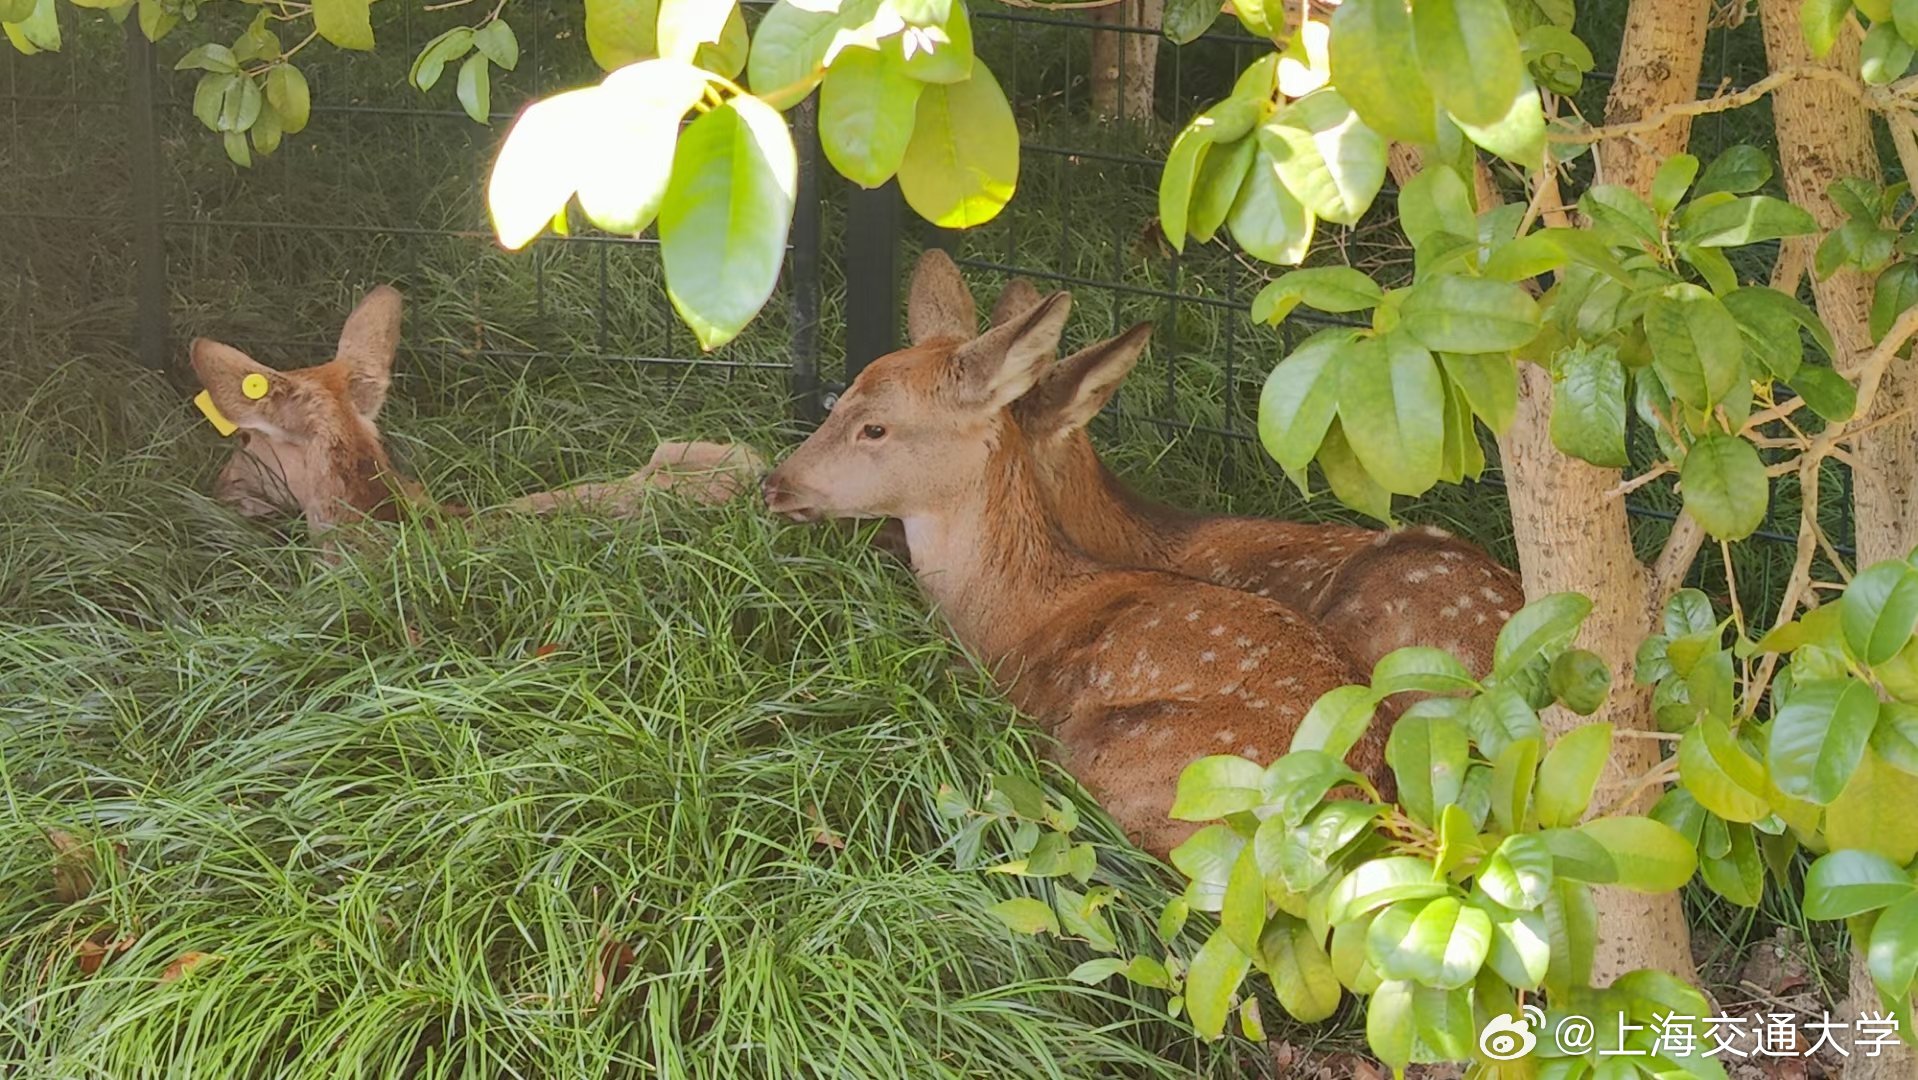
872	275
150	327
805	265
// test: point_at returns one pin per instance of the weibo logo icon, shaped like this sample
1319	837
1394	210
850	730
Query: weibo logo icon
1508	1037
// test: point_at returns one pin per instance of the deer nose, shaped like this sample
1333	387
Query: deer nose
782	500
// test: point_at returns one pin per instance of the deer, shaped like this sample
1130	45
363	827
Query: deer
1374	590
310	442
1135	672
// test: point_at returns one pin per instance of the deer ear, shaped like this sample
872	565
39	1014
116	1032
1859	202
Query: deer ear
940	305
249	394
1073	392
1018	298
367	347
998	367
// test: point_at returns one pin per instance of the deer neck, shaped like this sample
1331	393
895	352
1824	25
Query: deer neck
991	559
1108	520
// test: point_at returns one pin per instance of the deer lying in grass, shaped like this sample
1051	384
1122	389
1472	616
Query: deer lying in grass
309	443
1136	672
1374	591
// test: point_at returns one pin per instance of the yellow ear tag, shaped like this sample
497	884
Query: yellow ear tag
254	386
213	414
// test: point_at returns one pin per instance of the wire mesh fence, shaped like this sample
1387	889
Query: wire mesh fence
123	216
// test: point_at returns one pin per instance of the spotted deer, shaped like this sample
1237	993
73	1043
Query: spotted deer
310	443
1375	591
1136	672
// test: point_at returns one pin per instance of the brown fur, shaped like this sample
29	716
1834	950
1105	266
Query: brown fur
1375	591
1136	672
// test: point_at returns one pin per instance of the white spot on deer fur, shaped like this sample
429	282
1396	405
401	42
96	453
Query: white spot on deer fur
1248	750
1182	688
1454	556
1413	577
1208	656
1260	703
1287	683
1241	641
1504	614
1265	592
1152	674
1478	618
1226	736
1490	593
1442	570
1250	663
1161	737
1151	623
1449	612
1104	644
1218	630
1193	615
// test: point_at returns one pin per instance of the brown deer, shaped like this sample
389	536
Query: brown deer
1136	672
310	444
1374	591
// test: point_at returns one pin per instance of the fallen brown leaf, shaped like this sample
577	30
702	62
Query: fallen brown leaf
93	953
545	651
823	836
186	962
73	865
615	959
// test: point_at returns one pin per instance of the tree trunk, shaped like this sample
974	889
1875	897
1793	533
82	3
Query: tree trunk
1125	63
1571	534
1825	134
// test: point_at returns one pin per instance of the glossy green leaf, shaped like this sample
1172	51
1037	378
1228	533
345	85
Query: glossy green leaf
1185	21
962	163
1434	202
1326	157
1457	314
1521	951
1829	394
1569	774
1821	21
432	60
1375	64
1895	738
1695	344
1544	624
1674	178
724	219
1439	942
1818	737
1213	978
1571	927
475	88
1222	172
1770	327
346	23
1518	875
1216	786
1268	221
1300	398
1429	756
1337	289
1390	1023
867	105
1206	858
788	54
1885	56
1720	774
1857	818
1750	220
1739	874
497	40
1879	610
1518	136
1391	407
1490	384
1740	170
1300	970
1348	479
1337	720
1026	915
1894	293
1469	55
1725	486
1588	405
1513	772
1842	884
1651	856
1893	952
1374	884
1421	668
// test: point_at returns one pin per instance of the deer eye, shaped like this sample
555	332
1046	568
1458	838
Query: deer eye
872	432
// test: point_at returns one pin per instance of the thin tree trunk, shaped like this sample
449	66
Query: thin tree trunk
1571	534
1125	63
1824	135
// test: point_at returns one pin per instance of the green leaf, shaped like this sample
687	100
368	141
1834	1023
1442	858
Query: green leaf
1818	737
1720	774
1518	136
1079	916
1543	625
1300	970
1580	680
1577	857
239	107
634	123
37	32
685	25
1179	178
1821	21
866	109
1767	319
1216	972
1024	796
1337	289
1725	486
1513	773
1374	884
1428	755
1145	971
1469	56
1172	918
1651	856
1879	610
286	91
1435	202
1619	212
1391	1025
1828	393
1206	858
1456	314
1895	738
442	50
788	55
346	23
933	60
1374	63
1894	293
1217	786
1521	951
266	132
723	224
1740	170
1695	344
1857	818
1489	382
1222	173
1026	915
1739	875
1885	56
1569	774
1300	398
1847	883
1588	405
1391	407
1348	479
1267	220
208	57
14	11
1440	943
1098	970
1415	667
1297	781
208	96
1336	720
1330	161
1571	927
1185	21
1749	220
1904	16
1893	952
497	40
1518	875
962	164
1674	178
476	88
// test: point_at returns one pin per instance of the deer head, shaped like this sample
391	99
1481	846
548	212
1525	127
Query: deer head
308	438
921	423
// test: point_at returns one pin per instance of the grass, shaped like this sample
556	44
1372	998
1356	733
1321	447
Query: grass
556	798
